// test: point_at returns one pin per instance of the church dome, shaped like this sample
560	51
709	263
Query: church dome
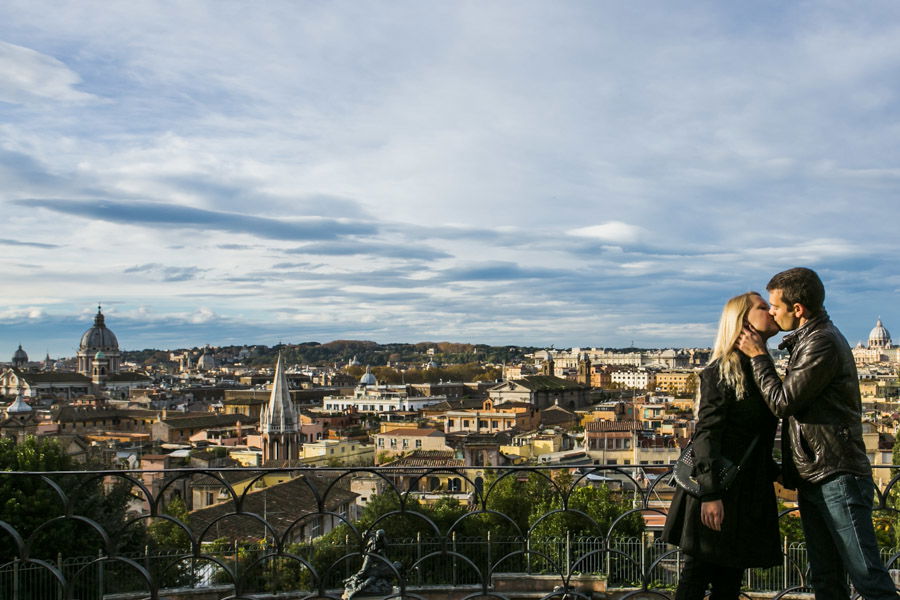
206	362
368	378
20	357
99	336
879	337
19	406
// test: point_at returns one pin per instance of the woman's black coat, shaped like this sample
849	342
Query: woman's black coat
726	427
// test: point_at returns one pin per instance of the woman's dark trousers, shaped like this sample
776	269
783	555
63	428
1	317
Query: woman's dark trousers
698	575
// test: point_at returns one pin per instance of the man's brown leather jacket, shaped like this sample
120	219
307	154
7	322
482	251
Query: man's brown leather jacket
819	402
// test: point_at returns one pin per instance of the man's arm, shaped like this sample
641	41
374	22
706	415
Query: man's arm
811	371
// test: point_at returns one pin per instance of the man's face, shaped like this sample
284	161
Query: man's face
785	315
760	318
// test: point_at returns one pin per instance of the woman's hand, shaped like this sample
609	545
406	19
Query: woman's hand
712	513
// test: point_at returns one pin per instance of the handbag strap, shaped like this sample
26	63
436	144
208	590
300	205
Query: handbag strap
748	452
744	458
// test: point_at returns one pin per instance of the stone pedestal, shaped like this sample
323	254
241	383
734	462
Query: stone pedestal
513	584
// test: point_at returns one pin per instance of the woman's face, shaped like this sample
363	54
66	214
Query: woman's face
759	318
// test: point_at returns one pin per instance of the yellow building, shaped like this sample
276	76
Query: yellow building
337	452
531	445
492	418
677	381
429	486
392	443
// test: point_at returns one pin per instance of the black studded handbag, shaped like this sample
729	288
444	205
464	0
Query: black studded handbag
684	474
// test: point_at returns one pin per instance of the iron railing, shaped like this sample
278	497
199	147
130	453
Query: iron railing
301	532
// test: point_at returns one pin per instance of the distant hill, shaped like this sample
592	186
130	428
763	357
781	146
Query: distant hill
342	351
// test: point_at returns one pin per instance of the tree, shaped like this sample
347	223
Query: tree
27	502
545	494
166	535
30	505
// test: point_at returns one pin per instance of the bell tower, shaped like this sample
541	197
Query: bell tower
278	421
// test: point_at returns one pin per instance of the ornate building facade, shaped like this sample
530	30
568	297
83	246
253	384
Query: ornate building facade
99	339
878	349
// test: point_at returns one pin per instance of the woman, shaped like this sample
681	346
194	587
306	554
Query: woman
725	532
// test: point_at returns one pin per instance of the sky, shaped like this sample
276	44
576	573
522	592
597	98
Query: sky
591	174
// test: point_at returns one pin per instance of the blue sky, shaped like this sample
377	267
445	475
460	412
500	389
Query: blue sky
513	172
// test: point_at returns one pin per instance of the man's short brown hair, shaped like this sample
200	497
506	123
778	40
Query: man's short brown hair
800	286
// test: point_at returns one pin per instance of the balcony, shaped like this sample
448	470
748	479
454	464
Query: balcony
206	534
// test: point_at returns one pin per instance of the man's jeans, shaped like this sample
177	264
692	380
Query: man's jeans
840	539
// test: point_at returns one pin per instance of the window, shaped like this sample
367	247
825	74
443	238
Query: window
465	423
406	443
495	424
393	442
418	443
450	422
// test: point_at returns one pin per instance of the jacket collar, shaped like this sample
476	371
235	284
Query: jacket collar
791	339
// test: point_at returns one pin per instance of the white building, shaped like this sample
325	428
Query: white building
879	348
380	399
634	379
373	398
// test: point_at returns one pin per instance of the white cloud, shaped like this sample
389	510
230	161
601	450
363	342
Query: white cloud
611	232
32	312
28	76
203	315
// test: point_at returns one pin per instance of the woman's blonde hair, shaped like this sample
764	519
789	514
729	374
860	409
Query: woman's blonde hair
731	323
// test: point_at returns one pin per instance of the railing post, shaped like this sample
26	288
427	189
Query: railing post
15	590
489	556
347	572
609	558
100	571
236	562
677	565
453	539
784	575
59	564
528	555
568	569
643	542
419	557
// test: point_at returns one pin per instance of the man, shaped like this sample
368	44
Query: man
822	447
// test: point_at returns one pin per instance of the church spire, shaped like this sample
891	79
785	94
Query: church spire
279	415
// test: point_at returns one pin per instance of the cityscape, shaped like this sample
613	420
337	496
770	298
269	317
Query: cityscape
617	417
